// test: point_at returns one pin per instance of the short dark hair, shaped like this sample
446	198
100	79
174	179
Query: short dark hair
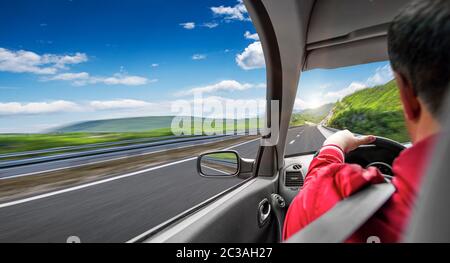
419	49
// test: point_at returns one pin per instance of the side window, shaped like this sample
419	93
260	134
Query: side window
104	109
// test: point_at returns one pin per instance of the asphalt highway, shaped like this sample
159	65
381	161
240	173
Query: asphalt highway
121	208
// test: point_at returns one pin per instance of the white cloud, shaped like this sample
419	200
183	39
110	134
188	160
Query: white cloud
17	108
251	36
353	87
188	25
198	57
210	25
237	12
84	78
234	109
63	106
381	76
118	79
219	107
225	85
50	64
155	65
135	108
71	76
23	61
252	57
62	61
301	104
325	86
118	104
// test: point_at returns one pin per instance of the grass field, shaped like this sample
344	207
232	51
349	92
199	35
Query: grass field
10	143
29	142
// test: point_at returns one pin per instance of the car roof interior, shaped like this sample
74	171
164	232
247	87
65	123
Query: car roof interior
343	33
334	30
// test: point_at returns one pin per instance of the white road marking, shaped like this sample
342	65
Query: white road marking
214	169
300	133
70	189
240	144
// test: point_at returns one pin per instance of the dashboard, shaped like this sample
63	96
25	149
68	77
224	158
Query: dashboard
293	176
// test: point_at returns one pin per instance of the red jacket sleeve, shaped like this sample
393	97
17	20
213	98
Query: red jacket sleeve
328	181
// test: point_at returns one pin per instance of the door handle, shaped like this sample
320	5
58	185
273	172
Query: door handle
264	210
279	211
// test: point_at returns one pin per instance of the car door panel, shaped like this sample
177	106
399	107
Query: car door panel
232	218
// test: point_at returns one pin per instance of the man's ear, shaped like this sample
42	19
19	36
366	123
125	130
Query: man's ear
409	97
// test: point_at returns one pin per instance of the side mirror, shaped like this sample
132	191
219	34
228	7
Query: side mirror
224	164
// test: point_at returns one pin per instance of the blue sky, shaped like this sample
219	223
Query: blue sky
64	61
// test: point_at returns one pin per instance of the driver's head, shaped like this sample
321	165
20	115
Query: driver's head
419	50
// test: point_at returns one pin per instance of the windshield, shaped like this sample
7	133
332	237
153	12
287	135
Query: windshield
363	99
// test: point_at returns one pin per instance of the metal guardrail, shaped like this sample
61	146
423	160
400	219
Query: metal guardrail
15	163
105	144
71	155
330	129
86	146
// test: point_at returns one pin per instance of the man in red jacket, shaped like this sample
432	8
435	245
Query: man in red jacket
419	51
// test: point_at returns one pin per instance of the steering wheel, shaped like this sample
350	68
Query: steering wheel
380	154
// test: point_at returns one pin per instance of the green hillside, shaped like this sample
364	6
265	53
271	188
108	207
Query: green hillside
374	110
139	124
311	115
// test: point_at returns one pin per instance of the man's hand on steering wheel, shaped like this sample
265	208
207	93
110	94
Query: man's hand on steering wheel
347	141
